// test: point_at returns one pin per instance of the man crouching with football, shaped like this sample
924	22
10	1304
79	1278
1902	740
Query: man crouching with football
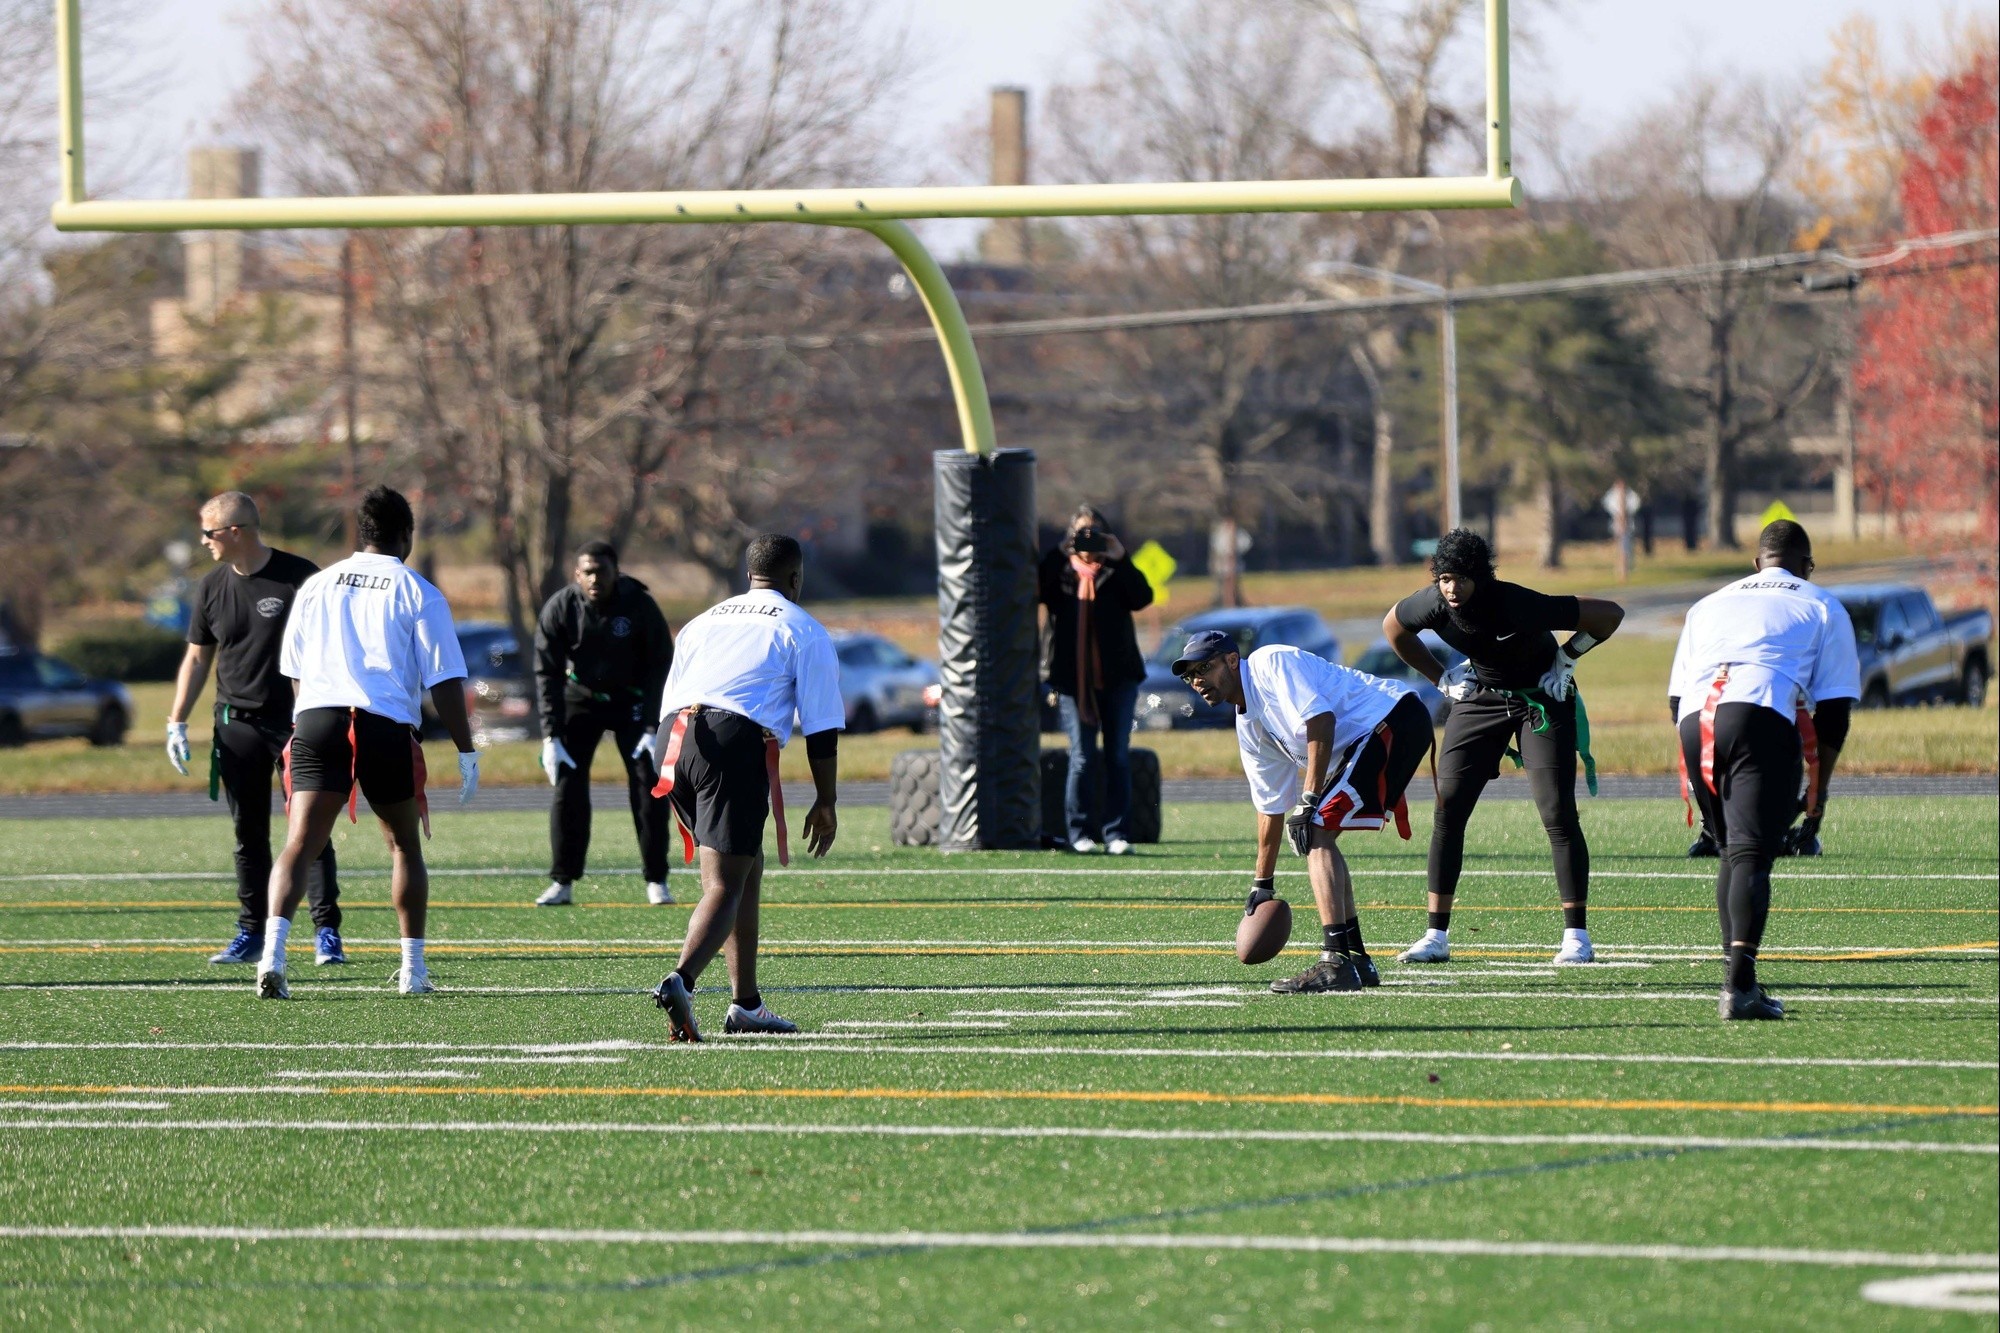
1358	739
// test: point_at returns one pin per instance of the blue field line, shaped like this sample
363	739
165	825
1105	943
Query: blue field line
788	1263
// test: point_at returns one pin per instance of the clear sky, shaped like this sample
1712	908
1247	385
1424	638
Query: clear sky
1604	58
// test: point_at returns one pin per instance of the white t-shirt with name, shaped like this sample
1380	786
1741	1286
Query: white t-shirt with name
1787	643
763	657
1283	689
369	633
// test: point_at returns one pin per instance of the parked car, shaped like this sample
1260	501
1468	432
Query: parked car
1911	655
499	689
1167	704
43	697
883	686
1381	660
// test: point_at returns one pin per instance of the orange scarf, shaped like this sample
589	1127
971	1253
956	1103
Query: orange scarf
1089	668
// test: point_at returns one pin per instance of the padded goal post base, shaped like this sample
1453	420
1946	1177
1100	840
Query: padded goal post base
914	792
989	651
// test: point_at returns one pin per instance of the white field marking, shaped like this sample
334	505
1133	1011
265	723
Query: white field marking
1024	1240
525	1060
1546	972
317	1075
912	1023
1964	1293
1688	1142
1361	869
1089	1052
86	1106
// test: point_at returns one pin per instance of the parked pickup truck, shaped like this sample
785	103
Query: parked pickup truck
1911	655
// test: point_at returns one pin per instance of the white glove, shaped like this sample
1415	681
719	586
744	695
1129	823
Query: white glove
643	751
177	747
468	775
554	756
1559	679
1458	683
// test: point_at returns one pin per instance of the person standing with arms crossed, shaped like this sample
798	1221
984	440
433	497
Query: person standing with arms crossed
240	610
744	670
1515	694
1764	680
367	636
602	650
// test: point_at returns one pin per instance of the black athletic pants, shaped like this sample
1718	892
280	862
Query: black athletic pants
1759	767
569	816
250	747
1476	735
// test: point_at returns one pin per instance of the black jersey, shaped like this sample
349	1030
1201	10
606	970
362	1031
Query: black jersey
616	656
243	615
1505	629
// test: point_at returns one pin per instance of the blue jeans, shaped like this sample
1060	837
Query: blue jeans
1114	723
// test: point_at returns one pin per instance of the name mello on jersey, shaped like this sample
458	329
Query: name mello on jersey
376	582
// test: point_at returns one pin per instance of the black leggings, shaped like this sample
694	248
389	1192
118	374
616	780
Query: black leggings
569	815
247	749
1475	740
1759	765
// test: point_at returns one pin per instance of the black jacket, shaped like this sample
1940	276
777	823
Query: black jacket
1121	590
616	658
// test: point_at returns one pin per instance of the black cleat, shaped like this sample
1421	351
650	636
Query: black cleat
1338	974
1750	1004
1703	846
672	996
1365	965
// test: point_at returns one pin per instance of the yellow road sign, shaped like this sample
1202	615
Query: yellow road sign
1153	561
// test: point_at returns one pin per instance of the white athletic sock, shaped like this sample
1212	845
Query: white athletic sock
1575	933
276	930
1438	936
413	955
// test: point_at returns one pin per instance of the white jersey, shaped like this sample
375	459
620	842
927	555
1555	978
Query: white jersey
1788	645
760	656
1283	689
369	633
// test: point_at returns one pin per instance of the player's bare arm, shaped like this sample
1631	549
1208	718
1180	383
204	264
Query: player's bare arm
823	756
192	676
1406	645
1596	621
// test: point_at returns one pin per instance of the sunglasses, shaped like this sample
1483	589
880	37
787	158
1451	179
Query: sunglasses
211	534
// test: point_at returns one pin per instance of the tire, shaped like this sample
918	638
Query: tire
915	807
1876	695
110	727
1142	821
12	733
1972	685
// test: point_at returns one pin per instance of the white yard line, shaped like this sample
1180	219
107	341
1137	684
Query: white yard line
318	1075
1688	1142
1025	1240
1362	870
86	1106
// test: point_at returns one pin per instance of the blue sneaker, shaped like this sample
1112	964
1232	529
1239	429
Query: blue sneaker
247	947
326	948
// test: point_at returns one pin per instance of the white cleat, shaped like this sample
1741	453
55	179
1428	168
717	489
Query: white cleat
413	981
758	1021
656	894
271	985
555	895
1084	845
1118	847
1429	949
1575	948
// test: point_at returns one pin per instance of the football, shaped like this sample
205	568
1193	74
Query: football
1262	933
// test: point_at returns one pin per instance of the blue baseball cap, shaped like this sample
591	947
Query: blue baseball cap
1202	645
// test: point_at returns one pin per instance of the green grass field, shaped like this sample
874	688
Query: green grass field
1033	1092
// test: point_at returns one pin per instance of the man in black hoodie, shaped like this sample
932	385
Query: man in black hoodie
602	650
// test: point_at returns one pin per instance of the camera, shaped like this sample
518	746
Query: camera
1090	541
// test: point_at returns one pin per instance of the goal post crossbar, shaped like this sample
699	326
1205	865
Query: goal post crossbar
881	211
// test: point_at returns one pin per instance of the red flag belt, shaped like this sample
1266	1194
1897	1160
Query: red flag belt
665	786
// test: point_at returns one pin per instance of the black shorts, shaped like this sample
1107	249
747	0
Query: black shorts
722	791
333	748
1368	780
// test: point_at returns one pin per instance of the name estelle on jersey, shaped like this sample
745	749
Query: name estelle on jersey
374	582
744	609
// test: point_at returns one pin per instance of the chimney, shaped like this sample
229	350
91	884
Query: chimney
1005	240
219	263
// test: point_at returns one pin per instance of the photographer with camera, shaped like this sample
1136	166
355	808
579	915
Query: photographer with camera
1094	665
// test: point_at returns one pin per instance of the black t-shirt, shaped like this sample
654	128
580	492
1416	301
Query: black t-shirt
244	616
1505	630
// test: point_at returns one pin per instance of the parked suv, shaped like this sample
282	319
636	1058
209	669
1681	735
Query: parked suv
42	697
499	687
1166	703
883	686
1911	655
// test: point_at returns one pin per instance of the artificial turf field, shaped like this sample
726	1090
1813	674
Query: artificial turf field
1033	1091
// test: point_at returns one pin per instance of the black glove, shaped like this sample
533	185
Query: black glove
1299	827
1803	838
1261	891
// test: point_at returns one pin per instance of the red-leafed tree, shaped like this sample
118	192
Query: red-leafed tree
1928	416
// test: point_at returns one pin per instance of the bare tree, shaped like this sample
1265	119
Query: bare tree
539	362
1702	178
